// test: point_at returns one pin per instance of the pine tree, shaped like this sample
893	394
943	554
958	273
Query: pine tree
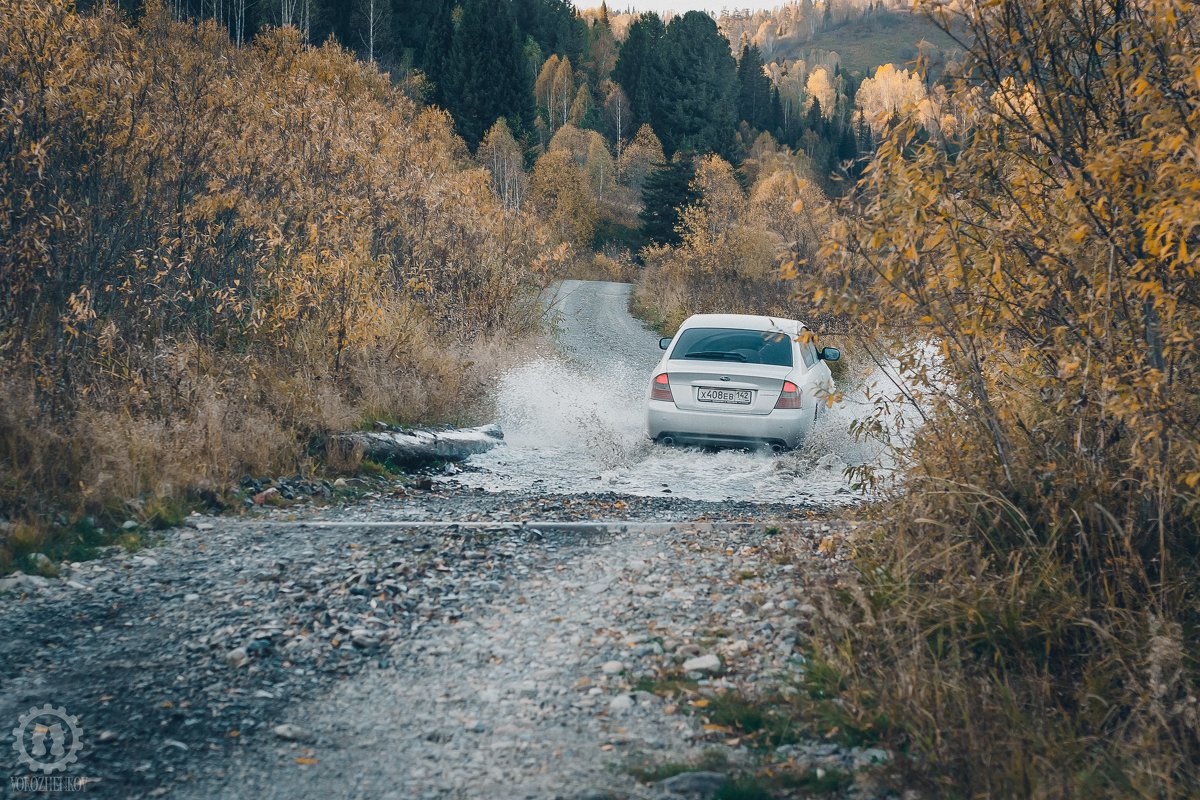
816	120
488	75
776	111
667	190
696	102
847	145
754	89
438	51
638	65
553	24
865	141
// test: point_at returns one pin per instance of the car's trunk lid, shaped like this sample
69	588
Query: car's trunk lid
726	388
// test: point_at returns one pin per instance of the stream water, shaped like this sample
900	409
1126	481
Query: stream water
573	423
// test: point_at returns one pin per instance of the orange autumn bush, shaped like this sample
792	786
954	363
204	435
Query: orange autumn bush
210	255
1023	620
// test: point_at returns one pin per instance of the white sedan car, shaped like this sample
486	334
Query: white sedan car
735	380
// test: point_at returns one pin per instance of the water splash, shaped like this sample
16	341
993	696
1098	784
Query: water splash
571	430
574	422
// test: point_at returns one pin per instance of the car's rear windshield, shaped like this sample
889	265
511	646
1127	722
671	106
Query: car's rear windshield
733	345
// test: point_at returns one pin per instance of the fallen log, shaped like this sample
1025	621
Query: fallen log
414	448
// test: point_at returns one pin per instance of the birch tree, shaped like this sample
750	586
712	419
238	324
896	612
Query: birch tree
616	114
500	154
374	23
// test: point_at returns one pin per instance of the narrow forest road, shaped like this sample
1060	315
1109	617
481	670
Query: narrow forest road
471	640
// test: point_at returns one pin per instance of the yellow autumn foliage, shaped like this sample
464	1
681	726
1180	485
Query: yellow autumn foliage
733	246
1029	601
560	194
275	228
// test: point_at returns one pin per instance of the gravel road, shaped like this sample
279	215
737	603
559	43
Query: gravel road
471	640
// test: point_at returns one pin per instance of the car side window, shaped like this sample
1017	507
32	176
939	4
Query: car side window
809	352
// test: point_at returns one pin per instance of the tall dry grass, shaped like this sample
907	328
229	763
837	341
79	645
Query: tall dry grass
210	256
1023	617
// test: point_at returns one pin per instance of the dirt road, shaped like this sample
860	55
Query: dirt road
518	652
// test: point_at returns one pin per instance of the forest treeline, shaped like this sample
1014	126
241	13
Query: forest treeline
635	98
699	84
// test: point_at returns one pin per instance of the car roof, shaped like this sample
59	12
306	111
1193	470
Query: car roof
750	322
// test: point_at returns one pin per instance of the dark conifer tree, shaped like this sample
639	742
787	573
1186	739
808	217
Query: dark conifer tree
488	76
754	90
667	190
696	103
638	68
866	141
777	113
413	23
847	145
438	49
553	24
816	119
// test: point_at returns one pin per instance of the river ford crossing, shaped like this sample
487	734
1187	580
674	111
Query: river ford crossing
491	636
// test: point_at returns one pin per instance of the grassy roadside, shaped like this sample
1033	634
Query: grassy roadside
135	476
167	330
1022	619
131	524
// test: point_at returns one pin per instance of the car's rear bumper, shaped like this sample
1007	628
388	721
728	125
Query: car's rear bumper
785	427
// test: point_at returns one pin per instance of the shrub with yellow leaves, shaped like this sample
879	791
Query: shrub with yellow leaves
275	229
732	246
1028	621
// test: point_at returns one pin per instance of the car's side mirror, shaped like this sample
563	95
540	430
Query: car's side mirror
829	354
664	343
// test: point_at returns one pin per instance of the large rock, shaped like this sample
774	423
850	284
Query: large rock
19	582
418	447
292	733
620	703
706	663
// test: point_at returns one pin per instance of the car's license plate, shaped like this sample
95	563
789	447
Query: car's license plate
737	397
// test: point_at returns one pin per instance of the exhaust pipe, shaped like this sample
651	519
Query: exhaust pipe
667	440
776	448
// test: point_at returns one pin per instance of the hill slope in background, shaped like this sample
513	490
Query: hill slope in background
865	38
890	38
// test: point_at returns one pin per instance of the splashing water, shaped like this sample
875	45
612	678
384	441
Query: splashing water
574	423
569	431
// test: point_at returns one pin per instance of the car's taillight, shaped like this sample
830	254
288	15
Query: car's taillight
790	397
661	389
